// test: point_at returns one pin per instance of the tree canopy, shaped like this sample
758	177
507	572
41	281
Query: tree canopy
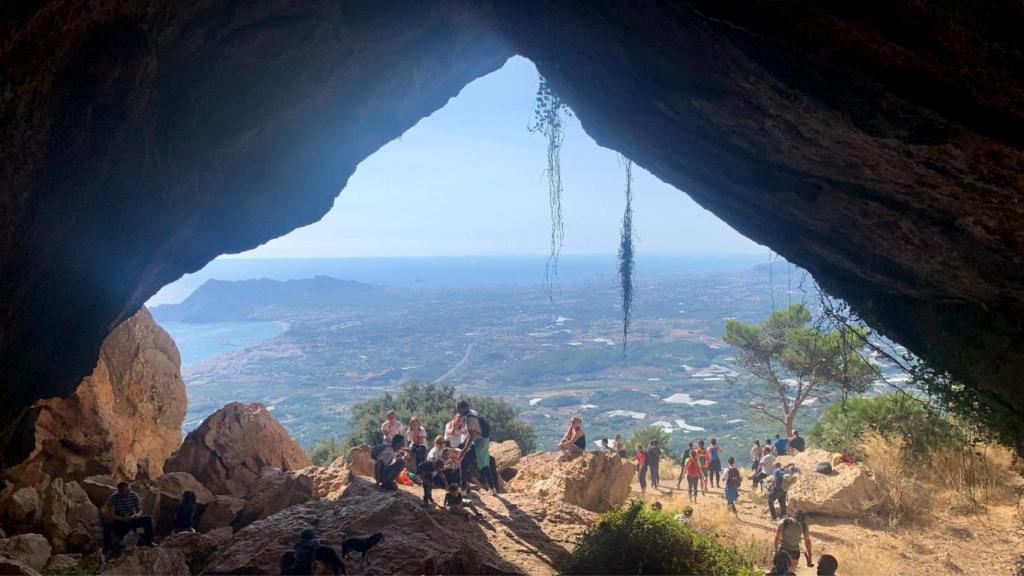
790	360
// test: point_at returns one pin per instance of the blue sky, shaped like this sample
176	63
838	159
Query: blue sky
469	180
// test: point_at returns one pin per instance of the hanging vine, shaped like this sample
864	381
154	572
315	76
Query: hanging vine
626	263
549	116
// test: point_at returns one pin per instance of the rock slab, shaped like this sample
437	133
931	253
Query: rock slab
596	481
848	492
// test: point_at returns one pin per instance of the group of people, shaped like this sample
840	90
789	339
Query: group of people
765	467
447	463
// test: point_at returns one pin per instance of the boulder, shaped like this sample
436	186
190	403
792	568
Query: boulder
12	567
22	509
61	563
98	488
506	454
70	520
848	492
32	550
220	513
595	481
123	420
275	491
329	482
165	495
229	450
198	548
159	560
518	534
360	461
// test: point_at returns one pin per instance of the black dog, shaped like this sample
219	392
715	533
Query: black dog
361	545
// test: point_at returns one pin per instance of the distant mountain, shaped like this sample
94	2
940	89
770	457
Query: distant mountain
224	301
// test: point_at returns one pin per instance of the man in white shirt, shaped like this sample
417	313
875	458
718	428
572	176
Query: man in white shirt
391	427
389	464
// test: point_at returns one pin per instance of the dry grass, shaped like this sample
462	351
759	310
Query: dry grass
962	480
752	548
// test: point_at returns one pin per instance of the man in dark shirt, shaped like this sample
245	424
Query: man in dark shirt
797	442
123	513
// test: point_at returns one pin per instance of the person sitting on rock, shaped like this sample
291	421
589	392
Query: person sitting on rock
185	513
604	445
781	446
299	561
123	514
620	446
797	442
391	427
431	471
787	538
574	442
390	463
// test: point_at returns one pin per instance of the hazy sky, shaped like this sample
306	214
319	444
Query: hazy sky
469	180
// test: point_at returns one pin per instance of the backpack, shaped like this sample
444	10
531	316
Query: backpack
376	450
733	478
823	468
485	428
788	480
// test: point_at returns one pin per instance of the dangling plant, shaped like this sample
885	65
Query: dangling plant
549	115
626	253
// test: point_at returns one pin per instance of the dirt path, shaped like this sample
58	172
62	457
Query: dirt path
973	544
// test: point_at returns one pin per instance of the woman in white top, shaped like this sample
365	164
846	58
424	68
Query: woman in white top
455	432
391	427
417	440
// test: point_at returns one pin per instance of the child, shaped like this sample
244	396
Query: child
453	498
684	516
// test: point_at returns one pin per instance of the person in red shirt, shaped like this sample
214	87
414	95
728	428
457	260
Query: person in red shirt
641	464
693	475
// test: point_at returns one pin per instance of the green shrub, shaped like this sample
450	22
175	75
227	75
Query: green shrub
636	539
434	406
843	425
326	451
646	434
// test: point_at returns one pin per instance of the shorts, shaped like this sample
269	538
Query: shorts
793	554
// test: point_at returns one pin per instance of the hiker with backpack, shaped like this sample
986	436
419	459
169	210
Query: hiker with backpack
791	530
477	447
702	460
777	492
733	479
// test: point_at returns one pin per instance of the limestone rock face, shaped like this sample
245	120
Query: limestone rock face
517	535
32	550
506	454
11	567
158	560
70	520
849	492
59	563
361	462
596	481
220	513
275	491
123	420
229	450
329	482
21	510
163	496
197	548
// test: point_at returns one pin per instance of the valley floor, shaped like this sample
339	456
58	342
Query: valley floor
983	544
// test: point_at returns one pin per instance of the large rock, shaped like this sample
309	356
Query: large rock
70	520
360	462
21	510
275	491
329	482
518	534
165	494
506	454
12	567
62	563
123	420
849	492
595	481
220	513
99	488
230	449
32	550
159	560
198	548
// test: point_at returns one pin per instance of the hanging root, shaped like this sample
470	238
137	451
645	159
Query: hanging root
549	116
626	264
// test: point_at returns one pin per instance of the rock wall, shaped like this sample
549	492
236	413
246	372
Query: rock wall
229	451
595	481
124	419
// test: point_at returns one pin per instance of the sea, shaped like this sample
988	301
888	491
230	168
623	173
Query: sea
197	342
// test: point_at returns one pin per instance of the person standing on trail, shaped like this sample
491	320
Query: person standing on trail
693	475
755	456
777	493
391	427
653	462
682	469
765	466
477	446
702	460
619	446
788	535
715	464
641	466
733	479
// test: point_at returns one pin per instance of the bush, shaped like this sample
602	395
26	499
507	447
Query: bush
843	425
636	539
326	451
435	406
